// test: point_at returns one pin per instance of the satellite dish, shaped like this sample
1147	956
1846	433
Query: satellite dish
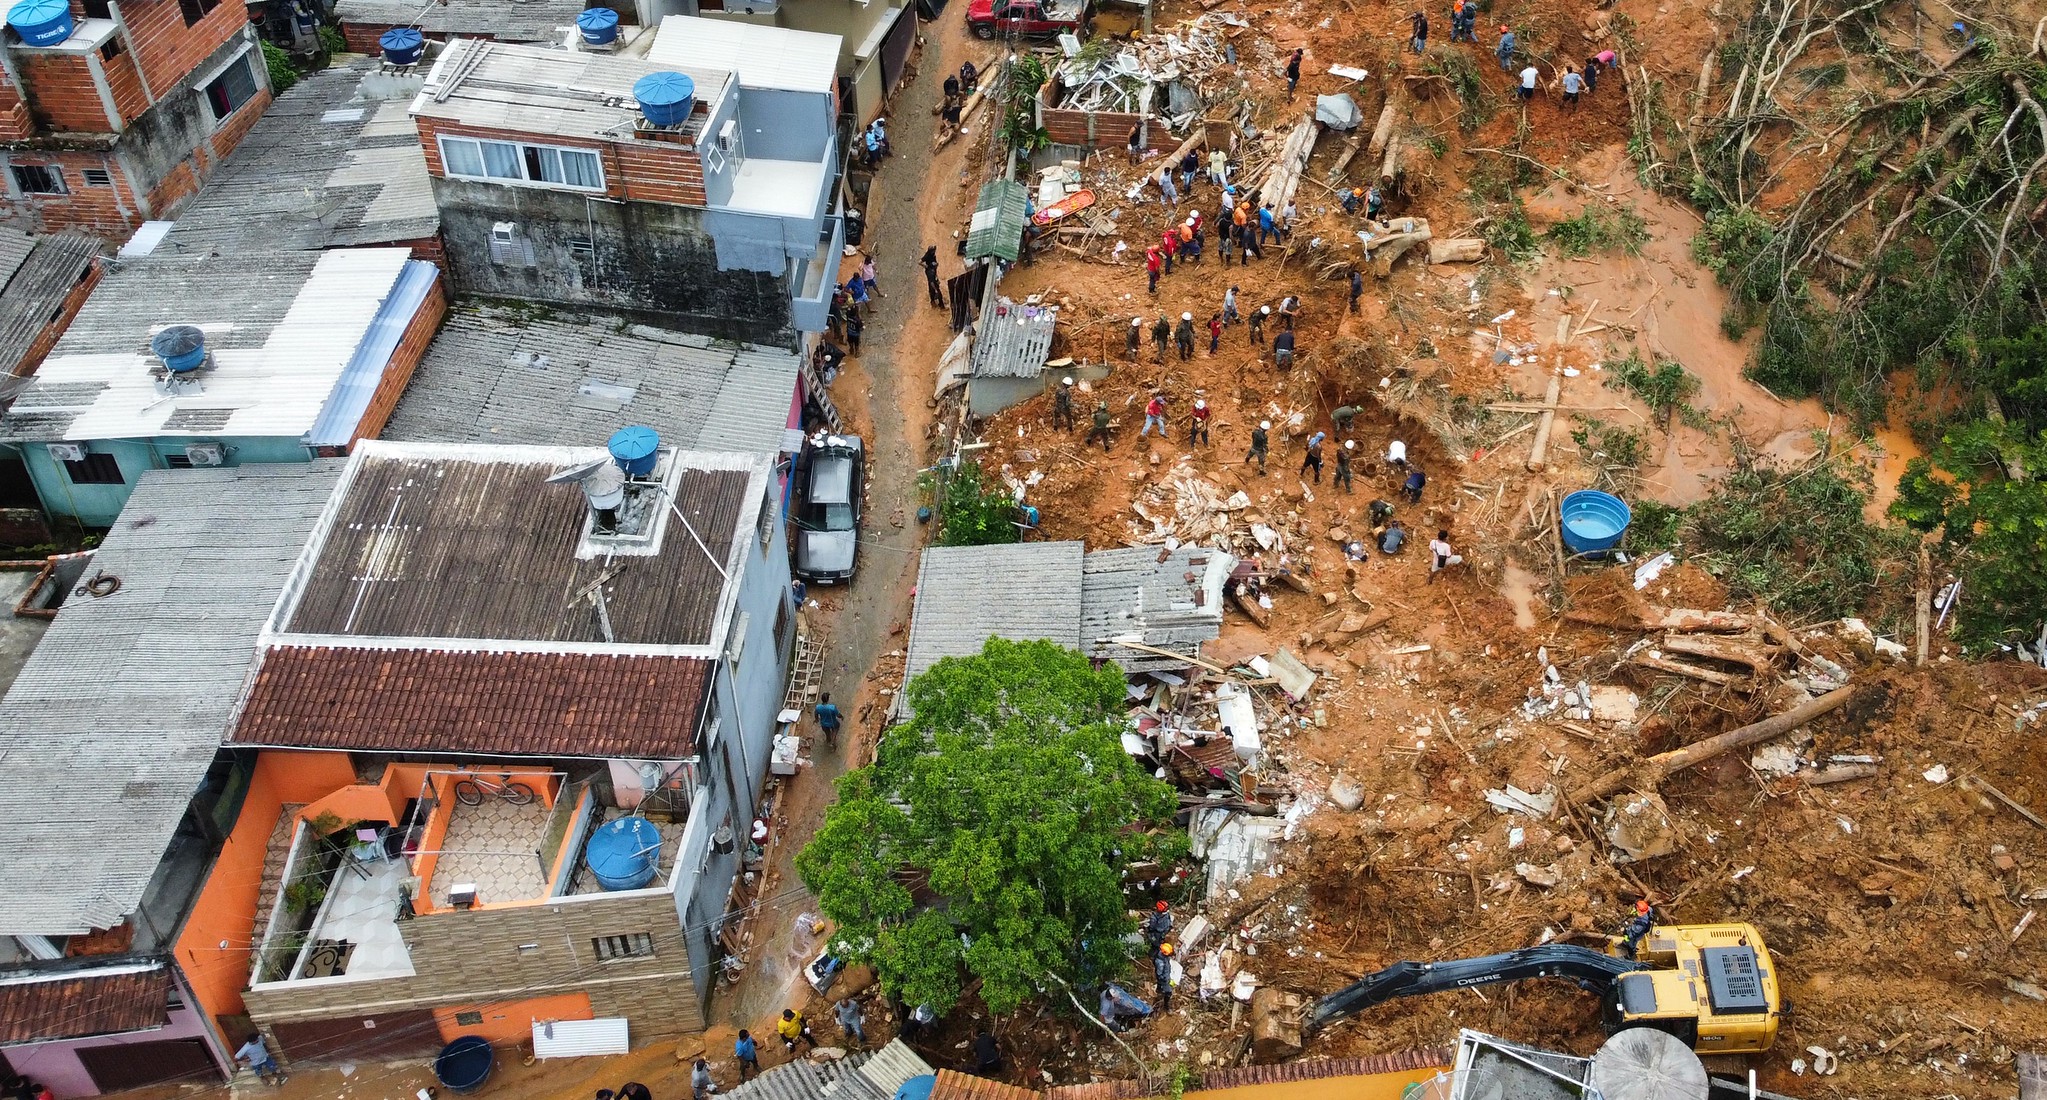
577	473
601	481
1642	1063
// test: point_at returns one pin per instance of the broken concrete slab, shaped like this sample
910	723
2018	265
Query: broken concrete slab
1639	827
1295	678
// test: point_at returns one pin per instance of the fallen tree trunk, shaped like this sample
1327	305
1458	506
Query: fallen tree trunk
1249	606
1457	250
1383	132
1654	770
1679	668
1751	651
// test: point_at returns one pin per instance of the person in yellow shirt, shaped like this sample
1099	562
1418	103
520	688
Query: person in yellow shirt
792	1028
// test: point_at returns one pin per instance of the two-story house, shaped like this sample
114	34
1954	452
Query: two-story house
678	193
518	703
113	112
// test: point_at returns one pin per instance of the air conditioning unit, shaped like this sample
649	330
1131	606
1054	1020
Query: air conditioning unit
205	454
462	896
728	135
67	452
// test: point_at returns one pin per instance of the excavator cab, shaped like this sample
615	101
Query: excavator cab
1712	985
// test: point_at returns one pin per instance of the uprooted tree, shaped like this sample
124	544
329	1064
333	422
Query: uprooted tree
1010	794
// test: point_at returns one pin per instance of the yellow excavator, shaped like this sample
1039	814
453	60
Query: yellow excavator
1712	985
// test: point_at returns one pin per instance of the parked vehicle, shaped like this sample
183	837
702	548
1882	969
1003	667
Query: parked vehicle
1027	18
830	479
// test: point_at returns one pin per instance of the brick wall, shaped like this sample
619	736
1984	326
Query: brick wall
126	84
168	50
16	123
61	92
475	956
362	37
659	171
636	169
404	360
108	210
429	249
47	338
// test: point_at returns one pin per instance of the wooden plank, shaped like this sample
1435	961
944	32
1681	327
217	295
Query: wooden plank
1539	453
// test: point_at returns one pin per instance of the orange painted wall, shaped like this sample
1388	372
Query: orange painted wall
510	1022
226	907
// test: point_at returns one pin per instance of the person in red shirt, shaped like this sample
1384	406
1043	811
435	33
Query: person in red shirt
1197	423
1169	243
1154	415
1151	267
1215	331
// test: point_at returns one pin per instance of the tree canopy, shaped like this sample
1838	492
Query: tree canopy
1965	488
1011	793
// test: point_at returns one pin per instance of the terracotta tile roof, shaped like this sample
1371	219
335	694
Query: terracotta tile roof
432	700
954	1085
1097	1090
1315	1069
1216	1080
39	1008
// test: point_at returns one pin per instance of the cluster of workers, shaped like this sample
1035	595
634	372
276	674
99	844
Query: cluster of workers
1244	223
1572	81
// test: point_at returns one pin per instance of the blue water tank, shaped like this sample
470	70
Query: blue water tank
624	854
1592	522
634	449
41	22
181	347
665	98
402	45
599	26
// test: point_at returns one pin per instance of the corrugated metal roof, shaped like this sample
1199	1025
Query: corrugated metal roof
1014	341
14	249
471	543
1172	600
531	90
36	288
858	1076
998	222
117	714
503	376
281	328
762	57
323	168
966	594
504	20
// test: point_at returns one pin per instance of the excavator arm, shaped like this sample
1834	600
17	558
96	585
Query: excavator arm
1592	969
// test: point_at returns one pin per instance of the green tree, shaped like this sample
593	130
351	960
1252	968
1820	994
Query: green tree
1009	792
1965	489
974	509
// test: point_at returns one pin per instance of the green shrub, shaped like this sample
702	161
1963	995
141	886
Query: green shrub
1600	230
283	74
1666	388
975	509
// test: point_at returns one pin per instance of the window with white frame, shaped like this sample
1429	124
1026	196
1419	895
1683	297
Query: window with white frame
478	158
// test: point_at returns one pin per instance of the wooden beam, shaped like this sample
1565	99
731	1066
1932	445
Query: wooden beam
1539	453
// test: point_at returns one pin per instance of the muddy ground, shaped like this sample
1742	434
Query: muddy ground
1890	902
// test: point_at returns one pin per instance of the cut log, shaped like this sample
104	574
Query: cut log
1839	773
1386	250
1679	668
1456	250
1922	603
1284	177
1350	149
1249	606
1751	651
1661	766
1383	132
1389	166
1538	454
1692	621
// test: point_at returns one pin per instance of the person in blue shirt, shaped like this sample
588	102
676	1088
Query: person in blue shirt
1266	226
1393	538
748	1053
1505	50
828	719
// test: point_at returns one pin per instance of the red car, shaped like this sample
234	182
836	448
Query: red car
1027	18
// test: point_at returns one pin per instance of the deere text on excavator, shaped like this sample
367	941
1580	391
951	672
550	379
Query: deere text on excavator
1712	985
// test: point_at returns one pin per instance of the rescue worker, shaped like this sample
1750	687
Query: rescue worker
1062	404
